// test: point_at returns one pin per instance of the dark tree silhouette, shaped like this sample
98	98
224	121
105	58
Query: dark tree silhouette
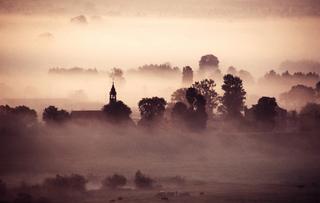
207	89
318	88
151	109
265	110
142	181
191	95
52	115
117	112
15	121
233	97
197	116
114	181
179	113
187	75
179	96
310	117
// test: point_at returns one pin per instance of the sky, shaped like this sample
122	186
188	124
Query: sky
36	35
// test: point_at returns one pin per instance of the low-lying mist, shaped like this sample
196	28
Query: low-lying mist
216	154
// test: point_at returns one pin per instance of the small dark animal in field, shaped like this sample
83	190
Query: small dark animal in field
165	198
120	198
112	200
300	186
201	193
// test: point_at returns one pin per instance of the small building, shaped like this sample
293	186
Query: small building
94	114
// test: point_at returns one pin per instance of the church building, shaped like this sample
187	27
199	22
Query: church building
94	114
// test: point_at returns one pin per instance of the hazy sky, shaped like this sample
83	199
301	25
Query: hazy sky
256	35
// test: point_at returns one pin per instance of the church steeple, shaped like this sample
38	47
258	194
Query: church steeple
112	94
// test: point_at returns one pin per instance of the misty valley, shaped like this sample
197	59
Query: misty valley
142	101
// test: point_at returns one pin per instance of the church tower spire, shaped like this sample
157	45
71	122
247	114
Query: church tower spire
112	94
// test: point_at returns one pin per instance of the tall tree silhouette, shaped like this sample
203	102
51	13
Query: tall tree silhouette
179	96
207	89
233	97
179	113
187	75
52	115
151	110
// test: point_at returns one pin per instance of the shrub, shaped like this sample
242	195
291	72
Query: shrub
114	181
142	181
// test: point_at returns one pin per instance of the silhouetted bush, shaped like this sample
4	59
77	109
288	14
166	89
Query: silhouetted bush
114	181
73	182
52	115
142	181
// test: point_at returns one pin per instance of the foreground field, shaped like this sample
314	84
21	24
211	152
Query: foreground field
210	193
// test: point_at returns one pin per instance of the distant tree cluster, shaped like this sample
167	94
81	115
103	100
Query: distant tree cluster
299	95
72	71
52	115
15	120
301	66
157	70
243	74
287	79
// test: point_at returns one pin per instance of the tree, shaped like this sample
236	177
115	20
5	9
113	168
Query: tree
209	60
151	109
207	89
187	75
179	96
142	181
51	115
191	95
179	113
197	115
298	96
265	110
117	75
310	117
209	67
114	181
117	112
318	88
15	121
233	97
